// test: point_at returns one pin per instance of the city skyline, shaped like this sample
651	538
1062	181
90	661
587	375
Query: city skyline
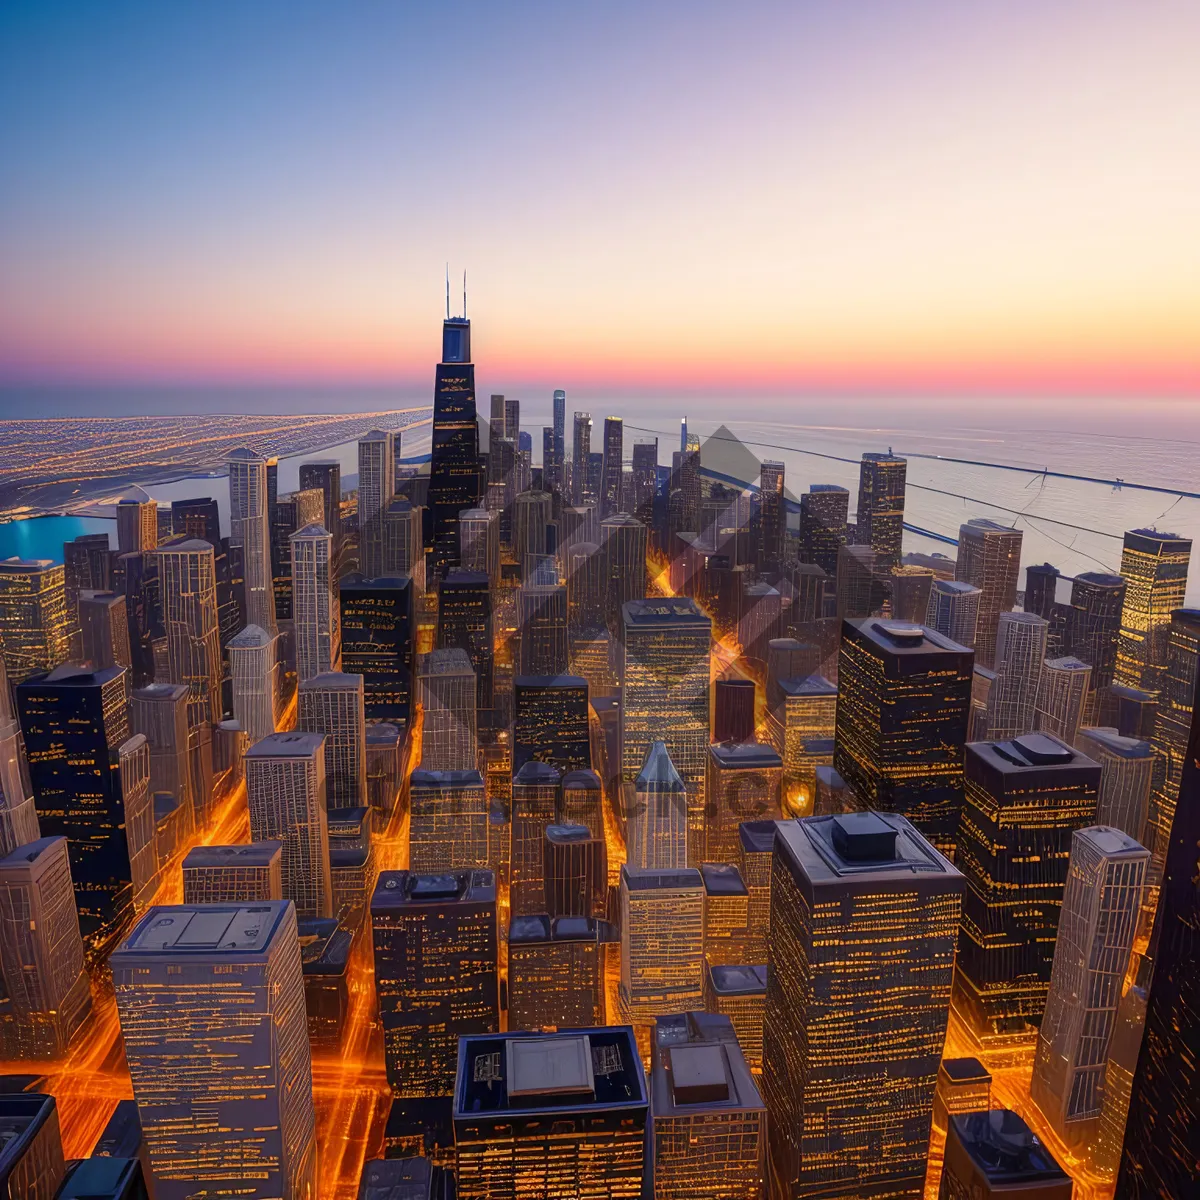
958	201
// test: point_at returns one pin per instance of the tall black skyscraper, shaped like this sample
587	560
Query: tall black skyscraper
1161	1156
823	510
455	475
465	621
377	642
550	721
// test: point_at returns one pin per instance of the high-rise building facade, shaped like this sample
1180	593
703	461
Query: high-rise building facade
376	486
316	614
448	828
47	995
1062	696
455	478
74	722
464	621
137	526
610	474
665	677
244	874
881	483
285	792
542	626
211	1000
450	735
326	475
377	642
989	556
1094	623
743	784
535	792
556	972
403	539
104	630
435	945
657	823
34	630
904	695
823	512
575	871
1025	798
622	565
993	1154
1154	566
160	711
1126	770
550	721
479	542
254	671
332	704
1020	656
1100	907
864	910
954	610
187	583
581	448
645	483
560	1114
250	531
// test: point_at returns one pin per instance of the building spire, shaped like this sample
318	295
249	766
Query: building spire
447	291
464	293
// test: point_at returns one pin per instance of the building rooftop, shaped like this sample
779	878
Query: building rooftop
722	879
757	837
957	586
582	779
382	734
550	681
740	979
565	834
422	778
743	755
160	691
313	530
397	1179
1068	662
987	525
862	847
807	685
647	879
292	744
522	1072
22	1114
452	661
249	854
828	487
965	1070
324	946
101	1178
698	1064
332	681
1109	739
1028	752
185	545
253	637
70	675
541	928
1004	1148
666	610
206	929
356	580
658	771
904	639
1111	842
349	822
396	889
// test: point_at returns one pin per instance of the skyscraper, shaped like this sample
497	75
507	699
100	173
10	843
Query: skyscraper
560	1114
87	566
479	542
1100	907
74	722
575	871
244	874
733	710
1061	697
376	486
742	785
449	738
34	631
581	449
823	511
326	474
187	583
709	1121
160	711
403	539
1024	800
1161	1155
863	910
859	592
464	621
989	556
137	525
427	930
610	476
1126	768
881	481
449	821
903	700
665	676
657	824
1172	722
954	610
18	814
772	517
1094	623
542	624
623	565
559	417
315	611
46	989
645	471
583	566
535	789
1020	656
254	670
992	1155
377	642
285	792
550	721
332	704
211	1000
556	972
1154	566
662	942
137	808
250	530
455	479
582	800
104	630
31	1158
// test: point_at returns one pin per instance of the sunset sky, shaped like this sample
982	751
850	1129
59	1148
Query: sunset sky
884	197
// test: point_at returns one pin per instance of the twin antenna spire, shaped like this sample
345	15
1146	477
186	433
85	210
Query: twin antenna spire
464	311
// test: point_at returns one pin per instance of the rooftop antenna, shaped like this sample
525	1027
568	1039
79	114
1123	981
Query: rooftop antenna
447	291
464	294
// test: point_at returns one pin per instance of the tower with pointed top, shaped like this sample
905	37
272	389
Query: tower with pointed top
455	475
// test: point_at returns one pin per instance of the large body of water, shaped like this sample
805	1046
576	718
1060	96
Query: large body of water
1074	524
